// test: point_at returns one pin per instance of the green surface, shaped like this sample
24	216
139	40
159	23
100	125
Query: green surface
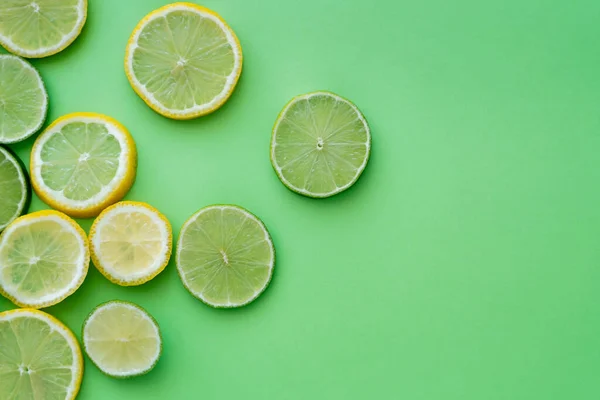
463	265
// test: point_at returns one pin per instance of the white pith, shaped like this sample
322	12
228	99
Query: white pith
66	40
23	182
77	367
80	262
182	272
44	105
198	108
107	190
98	238
359	170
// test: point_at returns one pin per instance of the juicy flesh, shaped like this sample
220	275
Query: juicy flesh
11	187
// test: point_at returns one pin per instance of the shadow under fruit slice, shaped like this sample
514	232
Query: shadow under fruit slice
44	258
39	357
225	256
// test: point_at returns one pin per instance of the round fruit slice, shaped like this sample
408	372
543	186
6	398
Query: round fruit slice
225	256
82	163
40	28
131	243
39	357
14	186
320	144
122	339
44	258
183	60
23	99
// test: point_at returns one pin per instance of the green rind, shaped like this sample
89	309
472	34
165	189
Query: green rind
28	189
226	306
45	113
123	377
281	178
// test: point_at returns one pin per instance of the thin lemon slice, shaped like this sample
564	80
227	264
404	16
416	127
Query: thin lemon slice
122	339
40	28
15	191
39	357
23	99
225	256
320	145
131	243
82	163
44	258
183	60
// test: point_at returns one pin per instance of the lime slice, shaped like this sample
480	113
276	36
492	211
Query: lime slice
14	186
23	99
122	339
82	163
39	357
183	60
225	256
40	28
131	243
44	258
320	144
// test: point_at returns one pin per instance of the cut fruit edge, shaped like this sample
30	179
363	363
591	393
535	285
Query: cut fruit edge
71	226
66	41
280	118
268	239
111	193
24	179
137	308
125	207
65	332
198	110
41	85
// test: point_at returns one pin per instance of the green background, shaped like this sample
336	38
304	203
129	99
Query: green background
462	265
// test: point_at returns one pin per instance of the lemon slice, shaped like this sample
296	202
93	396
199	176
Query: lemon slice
225	256
39	357
44	258
320	145
131	243
122	339
23	99
183	60
40	28
82	163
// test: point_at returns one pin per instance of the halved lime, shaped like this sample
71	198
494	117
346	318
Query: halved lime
122	339
44	258
39	357
40	28
320	145
23	99
183	60
14	188
82	163
225	256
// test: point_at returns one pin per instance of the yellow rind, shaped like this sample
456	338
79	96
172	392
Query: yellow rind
120	191
55	321
140	92
96	259
81	232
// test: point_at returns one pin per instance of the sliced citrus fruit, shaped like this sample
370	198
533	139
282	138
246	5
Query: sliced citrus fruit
44	258
130	243
23	99
183	60
320	145
40	28
39	357
14	188
82	163
122	339
225	256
